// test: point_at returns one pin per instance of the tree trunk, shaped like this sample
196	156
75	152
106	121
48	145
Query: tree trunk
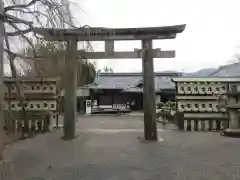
1	83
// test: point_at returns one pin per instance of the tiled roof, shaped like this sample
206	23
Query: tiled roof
131	80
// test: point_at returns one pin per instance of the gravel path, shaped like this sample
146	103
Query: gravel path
121	155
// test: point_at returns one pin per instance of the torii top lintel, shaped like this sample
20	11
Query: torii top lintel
108	34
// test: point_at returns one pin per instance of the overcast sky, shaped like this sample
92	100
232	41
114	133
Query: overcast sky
211	37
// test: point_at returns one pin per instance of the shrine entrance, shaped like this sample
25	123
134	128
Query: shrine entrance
109	36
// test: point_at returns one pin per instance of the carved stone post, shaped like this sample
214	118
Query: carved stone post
70	83
150	128
233	115
234	129
233	119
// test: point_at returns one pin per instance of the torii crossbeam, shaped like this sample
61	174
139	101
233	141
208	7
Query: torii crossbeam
109	35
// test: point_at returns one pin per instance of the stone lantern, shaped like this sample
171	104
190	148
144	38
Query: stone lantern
232	104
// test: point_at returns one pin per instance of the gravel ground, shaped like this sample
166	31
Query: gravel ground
112	150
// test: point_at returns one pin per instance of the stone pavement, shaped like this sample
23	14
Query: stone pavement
108	148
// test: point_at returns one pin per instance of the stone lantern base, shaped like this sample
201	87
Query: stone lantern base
231	133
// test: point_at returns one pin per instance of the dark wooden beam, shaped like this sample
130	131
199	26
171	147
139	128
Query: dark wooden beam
81	54
49	37
123	55
103	34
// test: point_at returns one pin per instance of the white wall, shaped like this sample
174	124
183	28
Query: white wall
83	92
79	92
157	98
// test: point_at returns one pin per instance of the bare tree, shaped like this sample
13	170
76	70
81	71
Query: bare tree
1	84
19	17
51	63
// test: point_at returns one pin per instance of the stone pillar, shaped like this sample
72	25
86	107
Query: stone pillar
70	84
233	119
233	115
150	127
234	129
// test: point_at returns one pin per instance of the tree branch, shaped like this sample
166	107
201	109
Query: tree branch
18	6
23	36
19	32
13	19
17	54
35	13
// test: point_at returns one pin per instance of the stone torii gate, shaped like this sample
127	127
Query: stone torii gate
109	35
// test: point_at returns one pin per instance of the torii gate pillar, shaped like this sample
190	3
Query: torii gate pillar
70	84
150	127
